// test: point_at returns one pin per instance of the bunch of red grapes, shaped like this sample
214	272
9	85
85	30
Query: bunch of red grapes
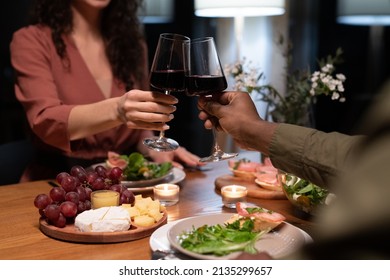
72	196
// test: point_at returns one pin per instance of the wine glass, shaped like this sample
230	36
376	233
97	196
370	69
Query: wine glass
204	76
167	74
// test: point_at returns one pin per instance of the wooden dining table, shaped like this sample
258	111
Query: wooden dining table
22	239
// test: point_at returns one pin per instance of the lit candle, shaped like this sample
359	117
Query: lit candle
104	198
167	194
232	194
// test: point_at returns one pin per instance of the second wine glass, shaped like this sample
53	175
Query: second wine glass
204	76
167	74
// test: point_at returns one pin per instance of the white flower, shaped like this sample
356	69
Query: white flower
341	77
327	68
302	88
335	95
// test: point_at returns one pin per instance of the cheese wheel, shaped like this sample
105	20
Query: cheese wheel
105	219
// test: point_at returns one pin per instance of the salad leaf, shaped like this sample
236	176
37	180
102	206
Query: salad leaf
295	185
221	240
139	168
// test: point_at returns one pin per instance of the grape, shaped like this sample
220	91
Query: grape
82	177
87	204
79	172
130	198
60	222
99	184
82	193
60	176
81	207
88	192
57	194
73	197
78	182
41	201
69	183
115	173
68	209
116	187
76	169
123	199
91	177
123	188
52	212
101	171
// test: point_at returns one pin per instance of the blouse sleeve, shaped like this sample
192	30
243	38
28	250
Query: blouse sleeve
32	55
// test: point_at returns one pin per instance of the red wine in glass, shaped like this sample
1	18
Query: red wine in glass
167	75
204	85
204	76
171	80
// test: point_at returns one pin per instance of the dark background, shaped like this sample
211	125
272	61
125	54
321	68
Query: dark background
313	31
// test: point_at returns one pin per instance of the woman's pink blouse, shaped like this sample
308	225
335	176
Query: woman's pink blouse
48	91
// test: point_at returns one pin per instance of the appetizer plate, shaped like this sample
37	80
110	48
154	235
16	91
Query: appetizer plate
175	176
280	242
71	234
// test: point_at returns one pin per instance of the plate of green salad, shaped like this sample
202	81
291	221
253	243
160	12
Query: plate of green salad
209	238
140	174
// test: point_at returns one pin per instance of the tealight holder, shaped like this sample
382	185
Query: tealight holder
104	198
232	194
167	194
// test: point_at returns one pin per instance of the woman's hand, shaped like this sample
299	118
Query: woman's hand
146	109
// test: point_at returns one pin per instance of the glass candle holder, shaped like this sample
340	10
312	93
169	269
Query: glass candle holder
167	194
232	194
104	198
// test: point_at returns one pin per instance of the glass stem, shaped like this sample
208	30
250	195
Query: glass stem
216	147
162	132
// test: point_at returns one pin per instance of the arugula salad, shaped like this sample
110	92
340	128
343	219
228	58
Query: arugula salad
223	239
139	168
304	192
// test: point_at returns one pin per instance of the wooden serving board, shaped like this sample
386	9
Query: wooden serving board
70	233
254	190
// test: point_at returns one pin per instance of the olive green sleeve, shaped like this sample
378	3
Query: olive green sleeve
311	154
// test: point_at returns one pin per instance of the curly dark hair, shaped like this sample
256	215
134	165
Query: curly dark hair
121	29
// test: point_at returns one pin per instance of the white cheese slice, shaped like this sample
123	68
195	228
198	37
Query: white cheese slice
105	219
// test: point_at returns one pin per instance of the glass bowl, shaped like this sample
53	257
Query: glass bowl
303	194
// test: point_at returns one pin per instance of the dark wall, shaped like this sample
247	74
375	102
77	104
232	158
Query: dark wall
12	124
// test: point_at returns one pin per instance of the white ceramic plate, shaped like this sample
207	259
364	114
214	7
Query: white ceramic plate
282	241
150	182
175	177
